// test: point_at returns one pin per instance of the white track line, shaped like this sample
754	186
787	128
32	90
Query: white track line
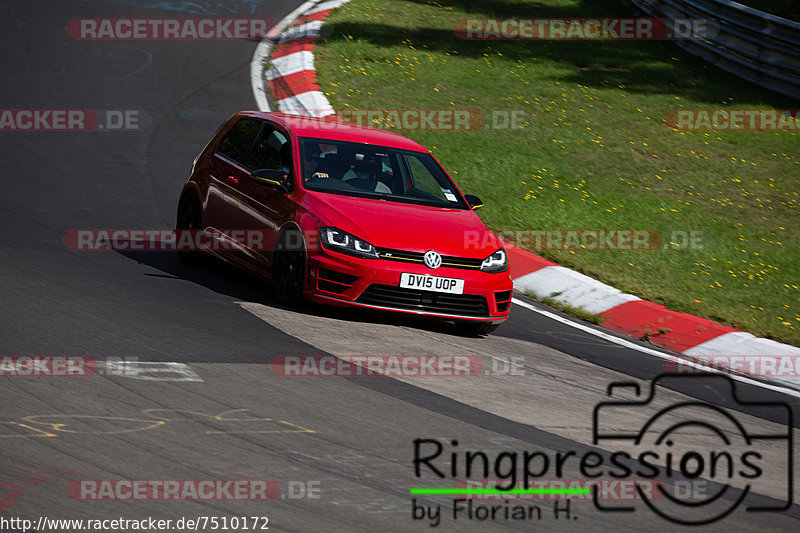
650	351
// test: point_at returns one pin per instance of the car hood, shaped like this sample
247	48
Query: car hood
402	226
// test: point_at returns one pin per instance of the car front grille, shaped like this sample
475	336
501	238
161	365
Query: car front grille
432	302
419	258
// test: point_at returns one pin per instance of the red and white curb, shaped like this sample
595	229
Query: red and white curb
289	84
693	336
282	70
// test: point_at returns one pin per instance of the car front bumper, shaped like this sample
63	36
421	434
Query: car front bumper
342	280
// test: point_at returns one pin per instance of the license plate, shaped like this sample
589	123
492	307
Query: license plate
431	283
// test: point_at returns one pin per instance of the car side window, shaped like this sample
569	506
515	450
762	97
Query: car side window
266	151
424	181
237	142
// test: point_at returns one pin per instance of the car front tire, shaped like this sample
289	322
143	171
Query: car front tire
288	270
190	217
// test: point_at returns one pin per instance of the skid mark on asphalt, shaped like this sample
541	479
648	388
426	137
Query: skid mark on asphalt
72	424
58	425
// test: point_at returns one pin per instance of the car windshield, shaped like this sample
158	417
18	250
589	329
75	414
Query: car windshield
366	170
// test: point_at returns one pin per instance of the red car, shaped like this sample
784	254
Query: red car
350	216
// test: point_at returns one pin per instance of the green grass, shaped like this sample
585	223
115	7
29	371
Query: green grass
596	153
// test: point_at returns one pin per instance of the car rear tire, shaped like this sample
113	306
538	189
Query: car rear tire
476	329
190	217
288	270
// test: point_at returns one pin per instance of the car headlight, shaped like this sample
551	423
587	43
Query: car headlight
342	242
497	262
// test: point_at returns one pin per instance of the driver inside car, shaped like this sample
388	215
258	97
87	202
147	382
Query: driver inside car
311	161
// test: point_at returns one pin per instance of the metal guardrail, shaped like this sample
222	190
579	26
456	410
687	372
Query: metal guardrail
756	46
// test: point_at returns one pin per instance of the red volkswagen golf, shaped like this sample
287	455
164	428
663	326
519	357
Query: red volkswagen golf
349	216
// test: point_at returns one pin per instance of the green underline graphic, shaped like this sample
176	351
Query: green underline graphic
456	490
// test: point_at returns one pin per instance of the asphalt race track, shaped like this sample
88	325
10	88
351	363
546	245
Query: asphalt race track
339	449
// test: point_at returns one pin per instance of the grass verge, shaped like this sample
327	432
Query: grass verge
595	152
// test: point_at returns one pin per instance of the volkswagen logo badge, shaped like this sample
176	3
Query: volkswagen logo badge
433	259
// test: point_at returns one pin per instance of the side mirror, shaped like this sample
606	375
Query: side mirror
272	178
473	201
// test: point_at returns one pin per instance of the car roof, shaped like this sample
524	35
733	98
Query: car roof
334	128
